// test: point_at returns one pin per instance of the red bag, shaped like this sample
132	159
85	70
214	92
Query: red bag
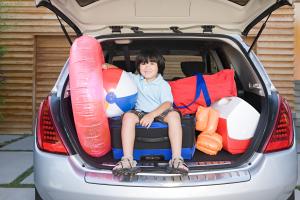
202	90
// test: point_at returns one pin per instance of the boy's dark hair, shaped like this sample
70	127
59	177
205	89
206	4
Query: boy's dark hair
150	55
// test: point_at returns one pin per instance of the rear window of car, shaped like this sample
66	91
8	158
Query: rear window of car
240	2
83	3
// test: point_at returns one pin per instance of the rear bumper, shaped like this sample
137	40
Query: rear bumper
273	177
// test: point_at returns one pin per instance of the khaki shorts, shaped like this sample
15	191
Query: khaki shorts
159	118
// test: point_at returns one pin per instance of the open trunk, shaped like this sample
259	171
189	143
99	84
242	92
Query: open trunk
216	52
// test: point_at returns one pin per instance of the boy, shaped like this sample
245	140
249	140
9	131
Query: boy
154	102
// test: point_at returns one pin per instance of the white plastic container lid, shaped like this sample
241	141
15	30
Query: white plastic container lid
241	117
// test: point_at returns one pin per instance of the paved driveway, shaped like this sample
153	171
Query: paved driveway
16	168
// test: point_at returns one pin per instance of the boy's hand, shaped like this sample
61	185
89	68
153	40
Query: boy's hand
147	120
108	66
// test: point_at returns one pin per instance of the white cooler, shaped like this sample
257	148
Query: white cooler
237	123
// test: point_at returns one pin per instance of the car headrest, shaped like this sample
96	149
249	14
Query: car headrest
122	64
190	68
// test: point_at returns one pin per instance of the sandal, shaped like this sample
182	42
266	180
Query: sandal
177	166
126	166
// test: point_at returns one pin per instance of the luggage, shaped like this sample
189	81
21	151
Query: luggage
153	143
202	90
237	123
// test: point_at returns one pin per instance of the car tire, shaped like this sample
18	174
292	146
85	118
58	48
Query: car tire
292	197
37	195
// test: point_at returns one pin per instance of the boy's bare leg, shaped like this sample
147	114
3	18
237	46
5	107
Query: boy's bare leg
128	133
127	166
175	133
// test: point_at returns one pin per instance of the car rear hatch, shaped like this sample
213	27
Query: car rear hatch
127	16
98	17
259	98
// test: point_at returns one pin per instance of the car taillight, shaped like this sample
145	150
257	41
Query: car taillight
48	138
282	136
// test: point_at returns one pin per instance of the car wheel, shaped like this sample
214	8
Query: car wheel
292	197
37	195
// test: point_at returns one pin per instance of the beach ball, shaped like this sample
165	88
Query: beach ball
120	92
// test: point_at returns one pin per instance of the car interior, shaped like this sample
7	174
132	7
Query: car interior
184	58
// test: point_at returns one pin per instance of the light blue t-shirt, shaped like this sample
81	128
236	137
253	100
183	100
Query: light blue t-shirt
151	94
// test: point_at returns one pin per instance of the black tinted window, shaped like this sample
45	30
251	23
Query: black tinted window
240	2
85	2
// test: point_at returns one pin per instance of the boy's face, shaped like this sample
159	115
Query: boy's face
149	70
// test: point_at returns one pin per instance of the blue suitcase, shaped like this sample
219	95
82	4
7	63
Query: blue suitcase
153	143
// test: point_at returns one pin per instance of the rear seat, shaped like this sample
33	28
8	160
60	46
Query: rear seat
122	64
190	68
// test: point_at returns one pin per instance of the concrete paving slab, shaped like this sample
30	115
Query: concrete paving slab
297	195
6	138
28	180
297	129
298	182
17	193
14	164
23	144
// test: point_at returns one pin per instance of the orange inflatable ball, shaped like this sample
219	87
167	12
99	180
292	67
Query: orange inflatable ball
202	118
209	143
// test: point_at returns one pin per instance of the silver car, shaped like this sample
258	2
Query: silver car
203	31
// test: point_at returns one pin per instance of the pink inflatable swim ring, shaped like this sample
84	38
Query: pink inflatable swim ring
86	85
